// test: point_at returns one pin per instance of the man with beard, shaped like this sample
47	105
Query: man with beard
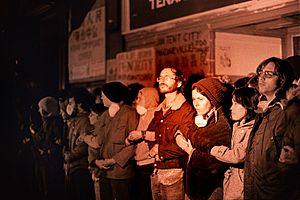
173	115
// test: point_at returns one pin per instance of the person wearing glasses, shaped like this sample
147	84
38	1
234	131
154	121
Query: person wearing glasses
173	115
266	176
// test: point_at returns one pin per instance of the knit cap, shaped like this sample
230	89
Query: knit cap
115	91
49	105
213	89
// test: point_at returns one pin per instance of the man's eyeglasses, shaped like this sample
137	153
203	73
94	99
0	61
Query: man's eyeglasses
166	78
267	74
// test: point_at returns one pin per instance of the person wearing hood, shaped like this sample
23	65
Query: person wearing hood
48	150
146	103
211	127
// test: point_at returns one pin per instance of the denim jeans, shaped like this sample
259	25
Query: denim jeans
167	192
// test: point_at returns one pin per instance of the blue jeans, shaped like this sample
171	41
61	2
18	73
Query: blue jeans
166	192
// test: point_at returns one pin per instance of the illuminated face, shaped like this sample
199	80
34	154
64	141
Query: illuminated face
168	81
106	101
268	80
93	117
238	112
201	103
140	99
71	107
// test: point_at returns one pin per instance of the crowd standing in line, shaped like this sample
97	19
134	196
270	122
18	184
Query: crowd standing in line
184	146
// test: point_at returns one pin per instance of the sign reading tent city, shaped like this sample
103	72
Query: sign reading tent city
136	66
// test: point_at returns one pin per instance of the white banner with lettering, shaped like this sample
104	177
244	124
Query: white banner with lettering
87	48
137	66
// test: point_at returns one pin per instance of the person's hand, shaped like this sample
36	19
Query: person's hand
153	151
105	164
184	144
67	156
109	162
94	177
81	138
227	174
134	135
288	155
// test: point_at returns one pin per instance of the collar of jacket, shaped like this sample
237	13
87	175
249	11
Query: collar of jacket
247	124
179	100
282	103
293	93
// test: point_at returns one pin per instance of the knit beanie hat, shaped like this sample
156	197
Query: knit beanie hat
49	105
115	91
213	89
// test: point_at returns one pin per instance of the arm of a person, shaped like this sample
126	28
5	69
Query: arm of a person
81	149
236	154
128	152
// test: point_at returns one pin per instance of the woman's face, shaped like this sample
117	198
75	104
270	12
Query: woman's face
201	103
238	112
93	117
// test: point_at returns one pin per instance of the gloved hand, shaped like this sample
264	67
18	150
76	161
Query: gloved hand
184	144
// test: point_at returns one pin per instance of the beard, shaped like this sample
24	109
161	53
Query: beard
164	88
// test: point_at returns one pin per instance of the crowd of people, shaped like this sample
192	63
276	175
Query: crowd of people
197	139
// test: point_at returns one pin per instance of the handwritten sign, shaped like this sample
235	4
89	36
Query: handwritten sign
137	66
189	50
240	54
87	48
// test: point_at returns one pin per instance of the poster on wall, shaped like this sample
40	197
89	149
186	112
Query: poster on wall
148	12
296	45
87	48
136	66
239	54
189	50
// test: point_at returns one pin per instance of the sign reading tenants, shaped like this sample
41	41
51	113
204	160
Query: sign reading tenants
137	66
87	48
148	12
189	50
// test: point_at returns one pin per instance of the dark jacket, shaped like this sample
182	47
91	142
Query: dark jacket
265	176
178	117
204	173
112	137
78	125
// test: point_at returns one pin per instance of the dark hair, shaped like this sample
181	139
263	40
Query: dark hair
82	96
284	71
133	90
97	91
98	108
248	98
193	78
241	82
179	76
